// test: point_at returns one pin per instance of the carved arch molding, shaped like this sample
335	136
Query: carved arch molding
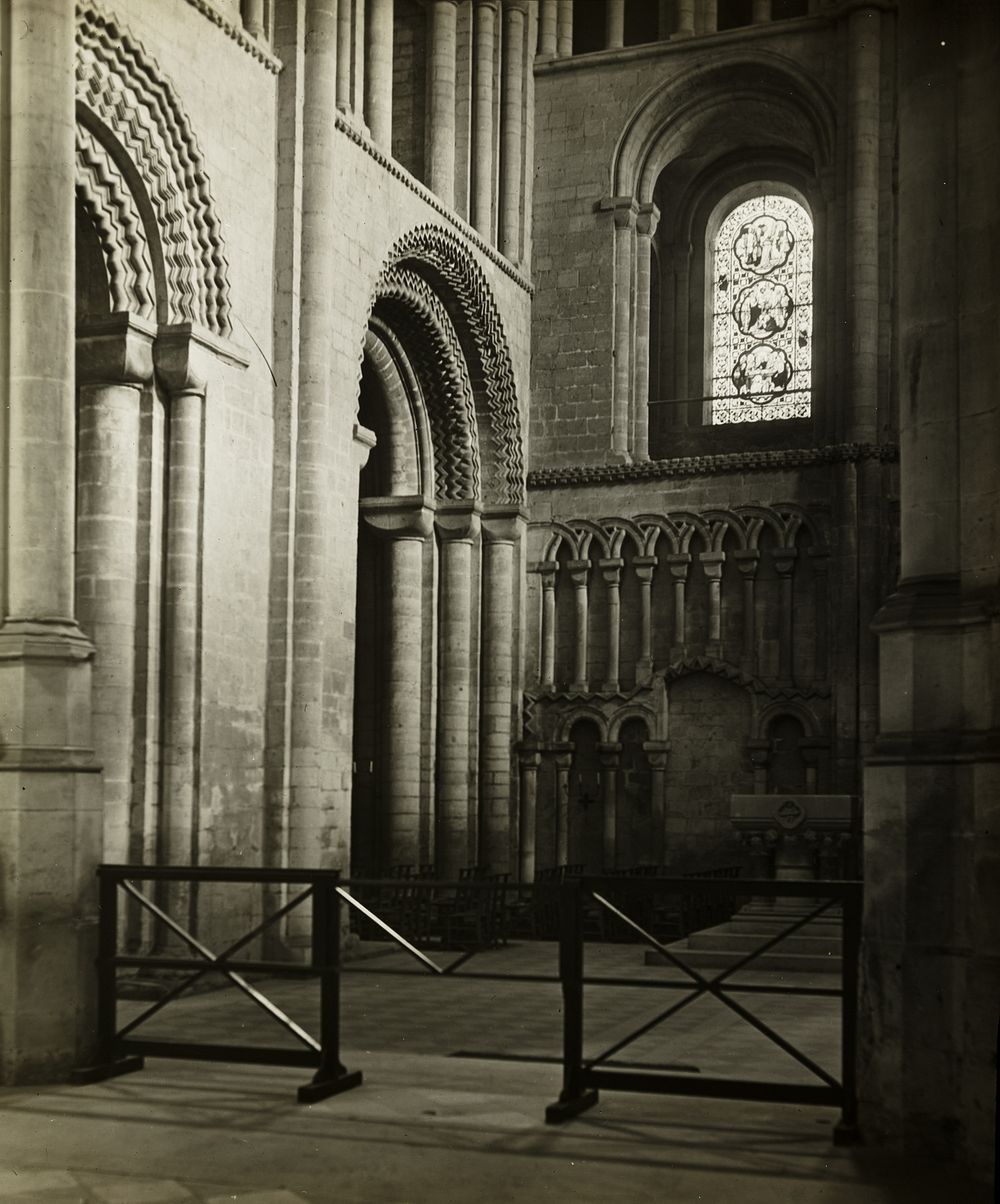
140	177
438	301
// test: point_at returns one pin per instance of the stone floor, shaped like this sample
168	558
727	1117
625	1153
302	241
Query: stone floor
429	1127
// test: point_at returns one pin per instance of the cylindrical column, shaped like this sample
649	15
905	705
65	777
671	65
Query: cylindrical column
563	763
403	691
624	215
510	135
746	562
863	121
457	528
610	756
683	18
712	563
358	44
341	70
484	53
500	534
179	835
112	371
645	228
784	565
309	820
530	762
707	17
579	571
679	562
378	74
761	11
548	571
441	117
253	17
611	571
547	29
564	29
644	566
614	24
657	754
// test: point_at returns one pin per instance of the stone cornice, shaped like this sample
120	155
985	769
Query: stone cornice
725	462
359	138
239	35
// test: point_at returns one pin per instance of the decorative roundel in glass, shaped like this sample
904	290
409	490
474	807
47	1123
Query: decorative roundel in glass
761	334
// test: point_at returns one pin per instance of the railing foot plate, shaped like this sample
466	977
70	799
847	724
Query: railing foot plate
847	1134
312	1093
105	1070
563	1110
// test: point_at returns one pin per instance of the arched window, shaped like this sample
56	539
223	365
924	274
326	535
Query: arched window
760	310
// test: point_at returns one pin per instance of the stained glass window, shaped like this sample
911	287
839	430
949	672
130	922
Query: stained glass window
761	289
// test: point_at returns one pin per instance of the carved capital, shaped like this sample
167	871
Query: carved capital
610	755
398	517
457	520
624	210
503	524
747	560
578	571
611	570
364	441
712	563
678	563
784	560
186	356
115	351
647	220
644	566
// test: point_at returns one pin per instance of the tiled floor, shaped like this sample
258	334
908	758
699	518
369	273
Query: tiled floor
427	1128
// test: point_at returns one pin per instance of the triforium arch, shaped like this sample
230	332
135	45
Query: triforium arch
439	555
764	119
152	338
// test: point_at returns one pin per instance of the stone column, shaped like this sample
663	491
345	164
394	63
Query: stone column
50	805
679	563
784	565
564	762
503	529
510	127
547	571
610	755
760	755
712	563
326	80
183	365
683	18
321	28
747	560
457	525
614	24
656	751
378	73
863	120
579	572
483	54
644	566
708	17
114	364
530	761
564	29
761	12
821	618
624	210
405	523
253	17
358	45
441	114
547	29
611	571
645	228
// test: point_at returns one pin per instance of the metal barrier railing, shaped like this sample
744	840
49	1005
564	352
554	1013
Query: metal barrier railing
120	1052
469	917
583	1077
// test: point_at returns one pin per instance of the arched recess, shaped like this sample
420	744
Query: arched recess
756	116
439	538
152	293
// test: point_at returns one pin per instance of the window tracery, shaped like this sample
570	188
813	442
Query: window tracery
761	320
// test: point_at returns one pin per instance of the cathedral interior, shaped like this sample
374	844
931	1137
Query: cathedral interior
502	434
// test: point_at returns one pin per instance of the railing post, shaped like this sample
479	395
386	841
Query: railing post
846	1131
106	1064
331	1077
574	1098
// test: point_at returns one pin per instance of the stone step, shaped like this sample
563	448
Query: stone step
794	963
744	942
